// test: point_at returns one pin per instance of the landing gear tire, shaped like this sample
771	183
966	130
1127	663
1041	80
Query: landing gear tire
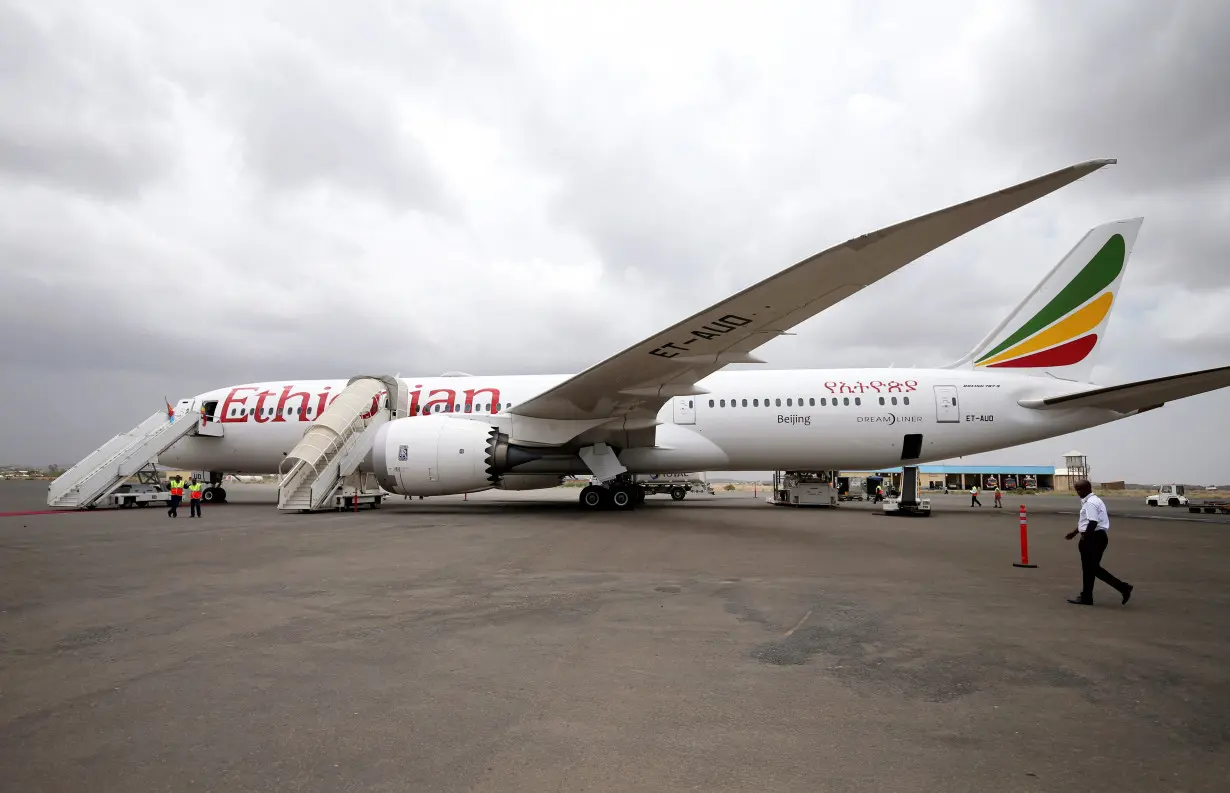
678	493
622	497
210	494
594	497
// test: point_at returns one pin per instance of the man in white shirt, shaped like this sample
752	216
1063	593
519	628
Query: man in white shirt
1093	525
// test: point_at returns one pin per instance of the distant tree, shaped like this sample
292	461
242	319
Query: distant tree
53	469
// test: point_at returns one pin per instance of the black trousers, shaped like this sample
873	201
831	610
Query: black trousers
174	510
1092	546
194	507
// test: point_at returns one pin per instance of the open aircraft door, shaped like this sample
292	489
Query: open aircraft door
207	416
685	410
947	411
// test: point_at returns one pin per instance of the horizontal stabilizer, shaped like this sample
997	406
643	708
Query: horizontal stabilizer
1140	396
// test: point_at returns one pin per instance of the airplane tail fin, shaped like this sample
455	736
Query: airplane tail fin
1059	327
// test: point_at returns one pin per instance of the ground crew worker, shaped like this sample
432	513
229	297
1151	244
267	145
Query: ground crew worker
998	496
879	494
194	499
973	494
1093	525
177	494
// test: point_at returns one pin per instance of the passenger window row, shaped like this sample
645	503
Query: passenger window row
290	411
792	402
468	408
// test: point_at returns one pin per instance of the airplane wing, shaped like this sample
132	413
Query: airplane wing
1140	396
667	364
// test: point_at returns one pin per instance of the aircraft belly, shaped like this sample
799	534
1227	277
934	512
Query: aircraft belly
679	449
246	450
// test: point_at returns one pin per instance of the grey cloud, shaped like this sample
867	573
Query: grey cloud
304	125
639	221
1144	81
1183	240
80	112
65	329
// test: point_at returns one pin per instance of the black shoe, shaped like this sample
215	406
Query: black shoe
1127	593
1080	601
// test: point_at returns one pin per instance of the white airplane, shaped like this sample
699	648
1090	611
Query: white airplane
664	405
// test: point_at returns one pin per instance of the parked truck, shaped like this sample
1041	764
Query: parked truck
1168	495
677	485
804	488
851	488
138	494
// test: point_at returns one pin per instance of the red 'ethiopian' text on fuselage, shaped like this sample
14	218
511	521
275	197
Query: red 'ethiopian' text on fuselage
250	403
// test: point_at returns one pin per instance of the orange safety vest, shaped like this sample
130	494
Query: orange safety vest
195	492
177	490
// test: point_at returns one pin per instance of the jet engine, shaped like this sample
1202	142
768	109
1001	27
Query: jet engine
441	455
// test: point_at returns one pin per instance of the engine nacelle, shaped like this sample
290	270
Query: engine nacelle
441	455
529	481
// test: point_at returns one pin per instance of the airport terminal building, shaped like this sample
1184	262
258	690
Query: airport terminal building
986	477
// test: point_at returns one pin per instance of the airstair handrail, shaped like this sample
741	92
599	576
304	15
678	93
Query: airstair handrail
333	435
106	468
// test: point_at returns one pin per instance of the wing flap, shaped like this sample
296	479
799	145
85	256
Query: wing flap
1138	396
765	310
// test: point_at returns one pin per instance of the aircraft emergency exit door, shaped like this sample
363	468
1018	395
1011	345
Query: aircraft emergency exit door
685	410
947	411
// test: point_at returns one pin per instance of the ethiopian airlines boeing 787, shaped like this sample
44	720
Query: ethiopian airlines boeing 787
663	405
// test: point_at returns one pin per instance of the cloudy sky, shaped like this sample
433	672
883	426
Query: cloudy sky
197	194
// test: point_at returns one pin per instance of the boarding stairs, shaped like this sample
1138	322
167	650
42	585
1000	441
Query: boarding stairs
101	473
338	441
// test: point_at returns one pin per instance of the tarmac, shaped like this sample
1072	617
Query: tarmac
511	642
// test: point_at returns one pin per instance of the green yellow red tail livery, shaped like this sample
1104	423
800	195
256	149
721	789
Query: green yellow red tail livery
1058	327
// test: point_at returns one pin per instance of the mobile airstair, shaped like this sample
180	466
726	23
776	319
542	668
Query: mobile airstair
323	465
101	473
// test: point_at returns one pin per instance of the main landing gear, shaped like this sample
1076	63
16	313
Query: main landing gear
616	495
215	493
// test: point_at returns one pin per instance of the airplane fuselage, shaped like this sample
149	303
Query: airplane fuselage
815	419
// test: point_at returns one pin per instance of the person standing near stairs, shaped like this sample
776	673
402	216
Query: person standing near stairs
176	484
194	498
